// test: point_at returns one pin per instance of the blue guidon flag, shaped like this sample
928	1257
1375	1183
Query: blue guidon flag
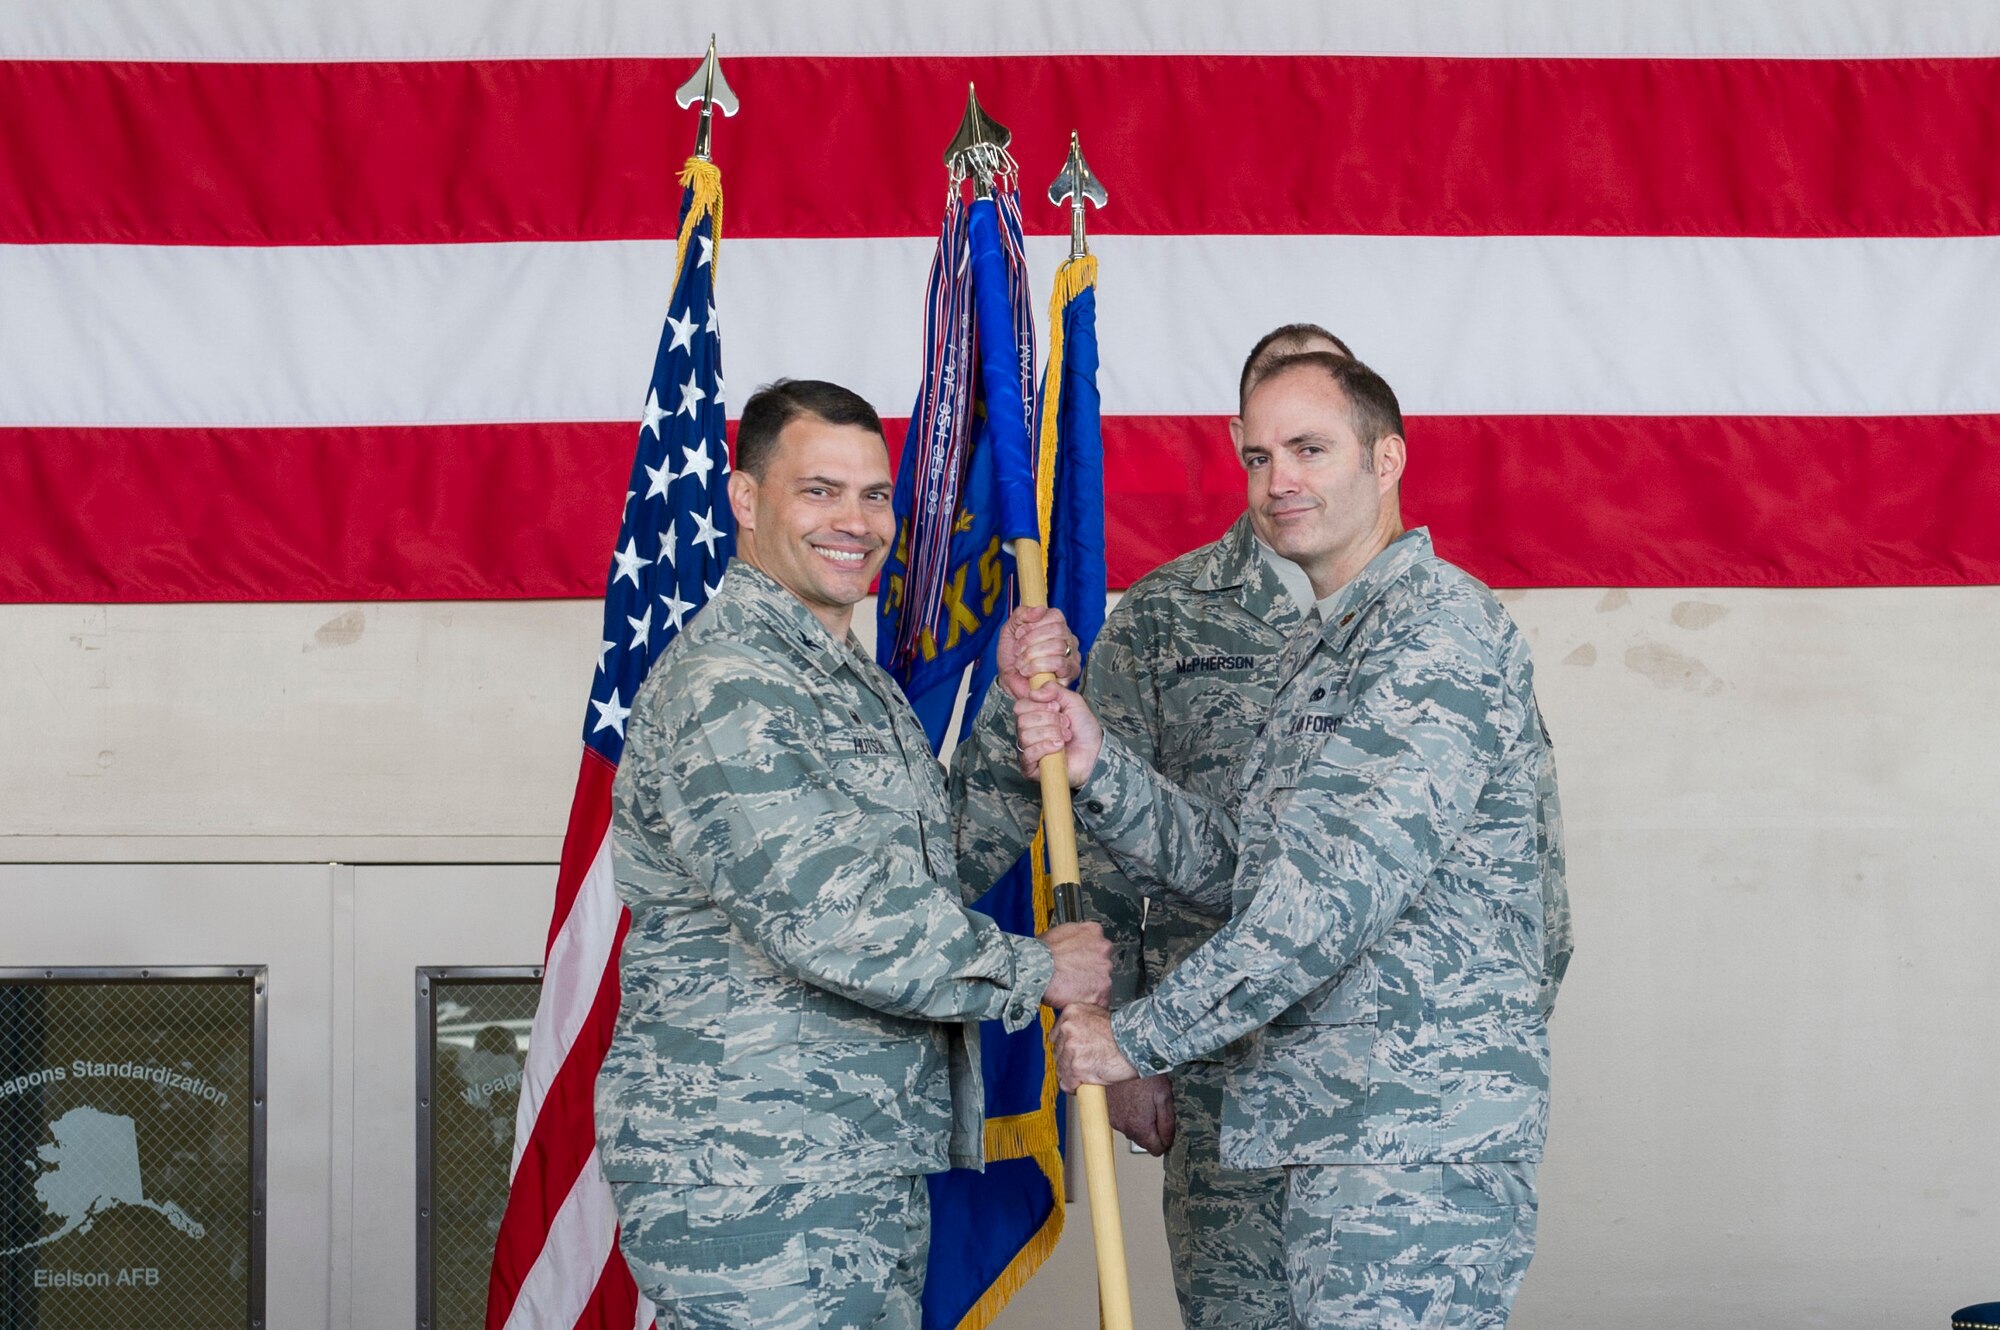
965	488
970	483
556	1264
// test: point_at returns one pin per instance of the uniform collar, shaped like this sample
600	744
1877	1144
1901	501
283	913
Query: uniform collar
1340	612
756	596
780	610
1235	563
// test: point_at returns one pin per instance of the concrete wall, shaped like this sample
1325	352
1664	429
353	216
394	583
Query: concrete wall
1776	1066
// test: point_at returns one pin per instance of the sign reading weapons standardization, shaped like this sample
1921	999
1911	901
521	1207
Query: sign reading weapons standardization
127	1151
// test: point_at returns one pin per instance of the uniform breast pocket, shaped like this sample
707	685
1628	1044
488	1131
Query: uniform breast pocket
1349	998
1304	719
1288	762
1225	735
825	1015
869	772
1278	796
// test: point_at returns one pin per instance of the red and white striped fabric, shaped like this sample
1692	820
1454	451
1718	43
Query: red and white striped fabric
558	1263
309	300
557	1259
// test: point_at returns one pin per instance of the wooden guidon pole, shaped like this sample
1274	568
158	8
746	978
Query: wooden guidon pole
1114	1289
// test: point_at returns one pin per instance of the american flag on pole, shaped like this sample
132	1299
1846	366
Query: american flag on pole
322	301
557	1264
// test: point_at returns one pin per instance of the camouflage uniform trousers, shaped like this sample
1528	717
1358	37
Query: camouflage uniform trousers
1413	1247
1225	1226
845	1255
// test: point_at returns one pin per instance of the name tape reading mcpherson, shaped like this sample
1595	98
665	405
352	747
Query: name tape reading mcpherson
83	1069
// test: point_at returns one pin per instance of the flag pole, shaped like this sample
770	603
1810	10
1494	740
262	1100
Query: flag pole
553	1260
1114	1290
1107	1225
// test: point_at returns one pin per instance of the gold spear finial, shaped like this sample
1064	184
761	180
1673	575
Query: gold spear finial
978	150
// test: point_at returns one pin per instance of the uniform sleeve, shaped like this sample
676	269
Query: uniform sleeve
748	800
999	808
995	809
1558	935
1166	840
1355	839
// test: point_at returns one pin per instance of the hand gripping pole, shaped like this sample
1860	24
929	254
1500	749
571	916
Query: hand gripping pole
1114	1289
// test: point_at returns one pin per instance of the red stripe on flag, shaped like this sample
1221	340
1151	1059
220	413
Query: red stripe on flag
1525	501
410	152
1536	501
513	511
614	1303
589	821
470	512
564	1134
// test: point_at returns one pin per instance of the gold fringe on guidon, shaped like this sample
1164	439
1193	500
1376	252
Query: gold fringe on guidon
705	178
1033	1135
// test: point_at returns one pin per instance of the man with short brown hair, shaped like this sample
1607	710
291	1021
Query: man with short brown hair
798	1043
1184	671
1391	860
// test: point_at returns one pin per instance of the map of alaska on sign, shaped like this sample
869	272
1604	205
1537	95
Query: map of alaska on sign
93	1167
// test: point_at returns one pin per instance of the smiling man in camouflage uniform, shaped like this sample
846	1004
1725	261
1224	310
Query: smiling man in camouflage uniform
1392	862
1184	672
802	983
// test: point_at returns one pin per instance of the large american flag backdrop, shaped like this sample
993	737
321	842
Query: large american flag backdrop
317	300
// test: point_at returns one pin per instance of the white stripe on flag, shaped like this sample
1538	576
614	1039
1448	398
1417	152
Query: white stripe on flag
499	29
570	980
581	1239
435	334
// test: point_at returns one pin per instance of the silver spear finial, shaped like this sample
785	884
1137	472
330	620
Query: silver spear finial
710	89
1075	183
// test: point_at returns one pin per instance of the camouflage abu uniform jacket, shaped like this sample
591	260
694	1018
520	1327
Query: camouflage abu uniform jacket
1183	672
801	981
1386	866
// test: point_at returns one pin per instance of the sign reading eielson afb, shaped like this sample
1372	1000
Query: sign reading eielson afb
127	1150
